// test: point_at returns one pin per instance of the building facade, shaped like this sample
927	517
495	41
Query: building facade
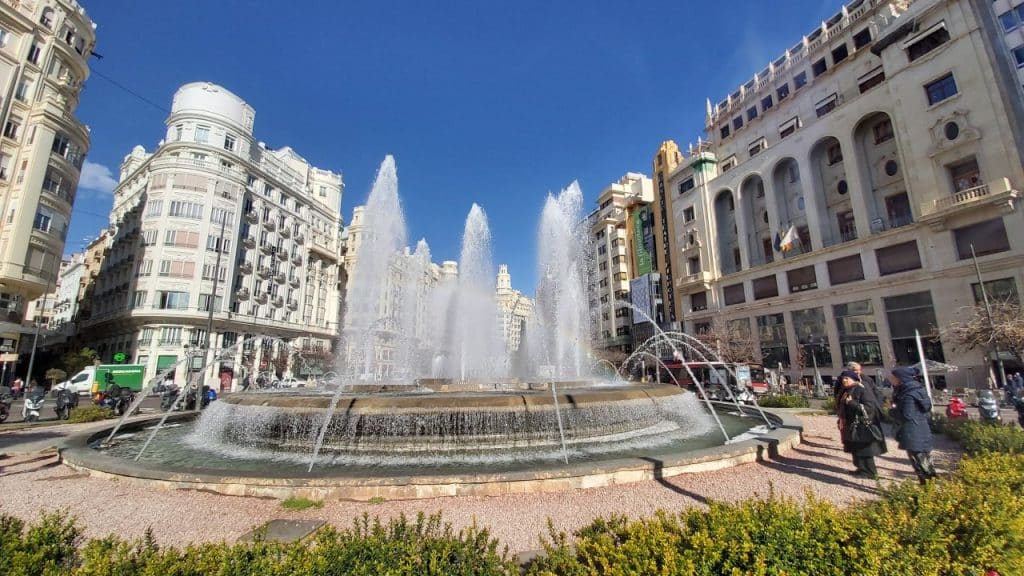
514	308
44	51
213	224
624	230
884	141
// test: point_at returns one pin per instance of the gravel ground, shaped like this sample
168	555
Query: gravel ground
32	483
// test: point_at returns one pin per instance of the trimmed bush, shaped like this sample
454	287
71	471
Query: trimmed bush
980	437
783	401
830	405
90	414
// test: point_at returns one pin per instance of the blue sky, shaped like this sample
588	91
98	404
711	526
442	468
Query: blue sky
491	102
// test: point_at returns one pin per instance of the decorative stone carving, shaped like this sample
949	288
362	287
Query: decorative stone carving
942	130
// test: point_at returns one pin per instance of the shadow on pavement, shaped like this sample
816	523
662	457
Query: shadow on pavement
659	476
15	439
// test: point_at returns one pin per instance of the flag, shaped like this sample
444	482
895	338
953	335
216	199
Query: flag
778	243
786	244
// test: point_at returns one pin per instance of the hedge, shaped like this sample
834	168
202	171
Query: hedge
966	524
783	401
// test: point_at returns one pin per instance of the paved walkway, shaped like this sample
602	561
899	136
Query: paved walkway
40	482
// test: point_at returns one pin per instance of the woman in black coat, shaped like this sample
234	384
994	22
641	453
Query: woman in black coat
854	398
912	411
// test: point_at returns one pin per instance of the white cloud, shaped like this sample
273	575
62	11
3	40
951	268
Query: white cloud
97	178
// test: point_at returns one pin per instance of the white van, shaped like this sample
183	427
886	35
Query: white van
81	383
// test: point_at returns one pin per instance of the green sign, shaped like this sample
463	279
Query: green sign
120	358
641	219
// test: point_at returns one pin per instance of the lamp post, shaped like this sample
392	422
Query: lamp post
211	303
35	337
988	312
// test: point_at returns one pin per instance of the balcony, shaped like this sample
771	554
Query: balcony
285	232
297	259
260	298
278	301
249	242
280	278
264	272
282	255
268	248
270	224
294	281
293	305
299	238
245	267
242	294
252	217
848	233
997	193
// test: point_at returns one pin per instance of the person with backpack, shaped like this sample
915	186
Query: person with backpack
912	412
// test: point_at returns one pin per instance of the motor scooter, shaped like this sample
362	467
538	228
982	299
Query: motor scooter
169	396
65	400
33	405
988	407
957	409
6	399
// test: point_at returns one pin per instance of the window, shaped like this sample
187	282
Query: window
737	123
34	52
766	103
834	153
724	131
216	243
751	113
688	214
4	37
827	105
170	335
173	301
181	239
802	279
42	220
909	314
686	185
858	333
782	92
871	79
154	207
11	128
788	127
809	327
323	191
219	215
941	89
965	175
766	287
1018	56
988	237
229	142
5	166
819	67
202	134
1009	20
756	148
799	81
21	92
862	38
771	334
204	303
177	268
882	131
728	164
1003	290
898	258
693	265
840	53
139	299
699	301
844	270
181	209
734	294
930	42
145	268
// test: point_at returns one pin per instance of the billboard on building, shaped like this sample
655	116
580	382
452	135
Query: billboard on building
643	240
640	297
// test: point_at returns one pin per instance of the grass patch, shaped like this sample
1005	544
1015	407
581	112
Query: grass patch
376	500
301	504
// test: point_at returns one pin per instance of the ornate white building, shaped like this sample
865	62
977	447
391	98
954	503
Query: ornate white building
44	51
889	141
212	219
514	308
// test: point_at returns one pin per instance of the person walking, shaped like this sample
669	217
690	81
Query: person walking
912	411
860	425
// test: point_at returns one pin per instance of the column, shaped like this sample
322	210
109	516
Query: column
859	189
813	201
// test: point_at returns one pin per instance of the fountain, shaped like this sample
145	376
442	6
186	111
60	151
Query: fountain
428	395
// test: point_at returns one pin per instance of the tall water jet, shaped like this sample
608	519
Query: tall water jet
476	351
413	323
563	261
382	240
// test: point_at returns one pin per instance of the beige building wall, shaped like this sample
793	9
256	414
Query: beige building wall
894	155
44	51
209	192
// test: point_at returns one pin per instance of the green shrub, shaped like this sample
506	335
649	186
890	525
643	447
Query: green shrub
47	548
90	414
783	401
301	504
979	437
830	405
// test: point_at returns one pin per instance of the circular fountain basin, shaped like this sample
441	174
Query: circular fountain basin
419	445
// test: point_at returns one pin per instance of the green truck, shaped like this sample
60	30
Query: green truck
95	379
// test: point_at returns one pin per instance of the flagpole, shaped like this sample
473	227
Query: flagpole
924	364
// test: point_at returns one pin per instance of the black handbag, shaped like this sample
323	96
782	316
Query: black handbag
862	431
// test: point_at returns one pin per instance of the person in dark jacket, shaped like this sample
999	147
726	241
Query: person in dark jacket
911	413
855	400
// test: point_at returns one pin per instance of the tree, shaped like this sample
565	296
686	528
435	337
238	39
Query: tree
75	362
733	343
55	375
1005	331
